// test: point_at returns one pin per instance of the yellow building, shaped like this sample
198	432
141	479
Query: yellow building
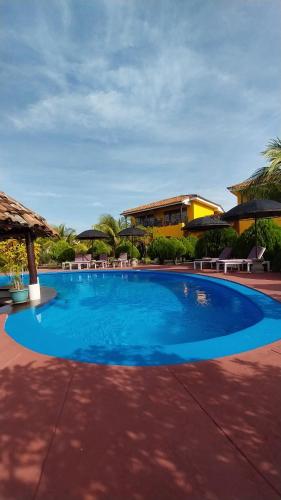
242	225
167	217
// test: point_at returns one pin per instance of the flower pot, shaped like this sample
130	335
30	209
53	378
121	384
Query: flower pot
134	262
19	296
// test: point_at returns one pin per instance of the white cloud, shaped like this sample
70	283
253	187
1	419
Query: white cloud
45	194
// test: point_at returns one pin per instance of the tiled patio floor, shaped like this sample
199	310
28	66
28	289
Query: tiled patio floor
208	430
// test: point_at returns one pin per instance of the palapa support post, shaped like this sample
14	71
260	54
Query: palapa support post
34	287
31	259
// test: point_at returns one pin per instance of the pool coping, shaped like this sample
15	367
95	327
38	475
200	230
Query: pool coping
48	294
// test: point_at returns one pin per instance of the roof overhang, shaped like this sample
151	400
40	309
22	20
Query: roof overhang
209	203
150	209
186	201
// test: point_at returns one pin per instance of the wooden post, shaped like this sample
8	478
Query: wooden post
31	258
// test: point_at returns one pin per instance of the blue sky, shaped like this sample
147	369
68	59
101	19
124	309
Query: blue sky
108	104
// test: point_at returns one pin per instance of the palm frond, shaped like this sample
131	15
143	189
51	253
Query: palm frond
266	181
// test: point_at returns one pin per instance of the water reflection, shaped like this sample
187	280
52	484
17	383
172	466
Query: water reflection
185	290
202	298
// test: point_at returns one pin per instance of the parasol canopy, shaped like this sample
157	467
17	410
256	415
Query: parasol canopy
206	223
254	209
132	231
92	234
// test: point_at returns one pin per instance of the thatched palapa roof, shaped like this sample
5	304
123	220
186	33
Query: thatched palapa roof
16	220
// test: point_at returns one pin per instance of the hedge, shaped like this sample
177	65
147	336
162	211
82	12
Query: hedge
100	247
126	247
189	244
166	249
214	241
62	251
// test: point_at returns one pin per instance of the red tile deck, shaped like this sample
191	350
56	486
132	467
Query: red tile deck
209	430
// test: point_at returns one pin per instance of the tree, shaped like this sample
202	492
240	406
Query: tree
111	226
14	257
266	181
65	233
214	241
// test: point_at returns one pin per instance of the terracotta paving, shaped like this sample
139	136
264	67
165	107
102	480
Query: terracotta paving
209	430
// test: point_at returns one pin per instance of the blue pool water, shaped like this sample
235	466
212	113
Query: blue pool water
145	318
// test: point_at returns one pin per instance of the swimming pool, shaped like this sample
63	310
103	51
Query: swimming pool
145	318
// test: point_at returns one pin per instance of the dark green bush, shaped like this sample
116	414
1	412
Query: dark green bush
146	260
160	248
100	247
269	236
166	249
126	247
177	248
214	241
276	258
62	251
189	244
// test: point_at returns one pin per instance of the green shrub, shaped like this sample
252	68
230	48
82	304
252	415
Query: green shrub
166	249
160	248
268	235
177	248
46	250
189	244
126	247
81	248
214	241
146	260
276	258
100	247
62	251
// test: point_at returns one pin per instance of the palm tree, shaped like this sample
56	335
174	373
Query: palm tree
266	181
111	226
65	233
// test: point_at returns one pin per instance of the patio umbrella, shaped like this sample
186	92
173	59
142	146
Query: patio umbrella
206	224
92	234
132	232
254	209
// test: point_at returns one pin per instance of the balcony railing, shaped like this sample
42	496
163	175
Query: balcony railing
161	222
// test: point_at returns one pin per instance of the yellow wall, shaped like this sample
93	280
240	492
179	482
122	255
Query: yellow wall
171	231
242	225
201	210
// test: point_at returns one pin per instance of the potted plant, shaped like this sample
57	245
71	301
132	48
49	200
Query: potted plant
13	261
18	291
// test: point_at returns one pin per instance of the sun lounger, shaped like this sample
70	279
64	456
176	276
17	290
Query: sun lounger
102	261
255	255
80	262
225	254
121	261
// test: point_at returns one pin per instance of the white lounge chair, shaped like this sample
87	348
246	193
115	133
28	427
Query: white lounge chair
255	254
102	261
225	254
81	261
122	260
